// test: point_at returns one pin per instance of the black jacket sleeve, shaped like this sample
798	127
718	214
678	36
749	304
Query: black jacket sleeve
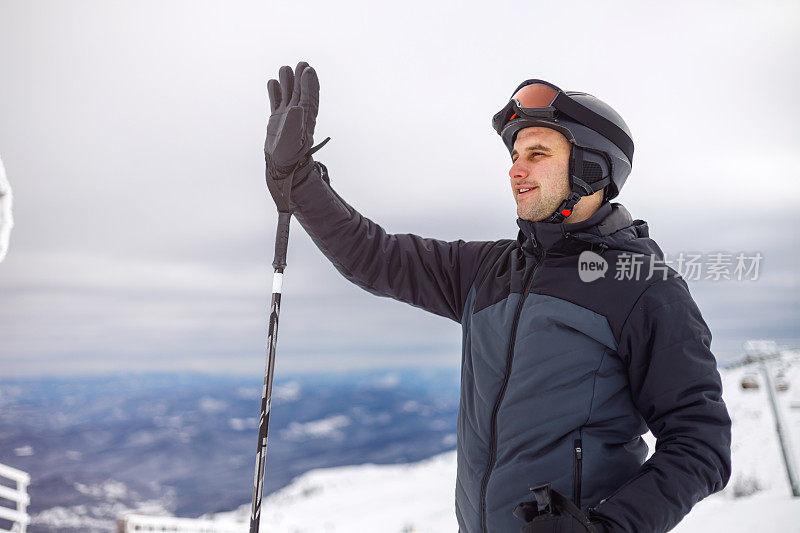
677	389
427	273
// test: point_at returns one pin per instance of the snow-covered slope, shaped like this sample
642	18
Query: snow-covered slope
758	496
395	498
419	497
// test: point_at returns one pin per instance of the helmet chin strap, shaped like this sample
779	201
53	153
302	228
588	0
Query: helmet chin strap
579	187
564	209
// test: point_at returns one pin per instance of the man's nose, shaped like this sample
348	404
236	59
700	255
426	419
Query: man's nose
517	171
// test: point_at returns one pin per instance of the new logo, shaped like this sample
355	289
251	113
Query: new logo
591	266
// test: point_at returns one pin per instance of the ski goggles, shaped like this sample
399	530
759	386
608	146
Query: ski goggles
541	100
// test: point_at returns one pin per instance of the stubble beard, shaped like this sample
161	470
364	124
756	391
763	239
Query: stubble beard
545	206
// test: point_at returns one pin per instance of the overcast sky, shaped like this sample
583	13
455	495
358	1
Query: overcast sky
132	134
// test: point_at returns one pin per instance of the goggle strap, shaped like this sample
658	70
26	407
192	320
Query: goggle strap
598	123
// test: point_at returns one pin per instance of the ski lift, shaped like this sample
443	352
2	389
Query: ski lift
781	382
749	381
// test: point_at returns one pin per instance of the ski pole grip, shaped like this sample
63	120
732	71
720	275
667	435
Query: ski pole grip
281	241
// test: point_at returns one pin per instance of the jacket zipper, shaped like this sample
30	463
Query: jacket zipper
576	495
510	360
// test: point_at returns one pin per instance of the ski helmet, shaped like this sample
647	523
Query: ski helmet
601	145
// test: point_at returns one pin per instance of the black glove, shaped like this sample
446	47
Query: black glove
551	512
294	103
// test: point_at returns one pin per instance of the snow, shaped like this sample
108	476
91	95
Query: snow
212	405
318	429
248	393
450	439
138	522
419	497
93	518
242	424
766	512
23	451
289	392
111	488
76	517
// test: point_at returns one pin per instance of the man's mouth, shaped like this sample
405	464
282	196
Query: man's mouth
524	191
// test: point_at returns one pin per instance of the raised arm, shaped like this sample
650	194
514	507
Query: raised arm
427	273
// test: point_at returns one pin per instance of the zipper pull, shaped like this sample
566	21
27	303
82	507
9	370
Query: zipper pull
578	453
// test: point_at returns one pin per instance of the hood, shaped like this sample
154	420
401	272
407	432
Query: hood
610	227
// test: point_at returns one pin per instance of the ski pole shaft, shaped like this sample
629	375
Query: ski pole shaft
281	244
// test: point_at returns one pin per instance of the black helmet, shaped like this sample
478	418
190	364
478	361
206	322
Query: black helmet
601	152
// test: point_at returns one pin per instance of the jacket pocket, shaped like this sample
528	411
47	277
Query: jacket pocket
577	450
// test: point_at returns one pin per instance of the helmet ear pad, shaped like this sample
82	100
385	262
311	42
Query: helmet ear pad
589	170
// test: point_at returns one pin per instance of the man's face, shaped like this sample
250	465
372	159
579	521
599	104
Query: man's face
541	163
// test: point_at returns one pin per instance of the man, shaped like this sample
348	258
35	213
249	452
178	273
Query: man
564	366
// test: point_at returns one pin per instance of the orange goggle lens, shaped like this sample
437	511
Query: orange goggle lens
535	95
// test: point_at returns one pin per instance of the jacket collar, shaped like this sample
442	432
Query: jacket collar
608	219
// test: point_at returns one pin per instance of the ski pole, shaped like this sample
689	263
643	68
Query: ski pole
281	243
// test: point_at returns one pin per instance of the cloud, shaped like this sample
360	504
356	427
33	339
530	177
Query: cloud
132	137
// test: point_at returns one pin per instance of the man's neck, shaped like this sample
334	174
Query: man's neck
586	207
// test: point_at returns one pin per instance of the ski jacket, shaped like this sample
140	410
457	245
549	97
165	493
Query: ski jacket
559	377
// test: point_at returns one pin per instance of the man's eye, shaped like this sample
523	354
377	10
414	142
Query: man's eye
514	159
